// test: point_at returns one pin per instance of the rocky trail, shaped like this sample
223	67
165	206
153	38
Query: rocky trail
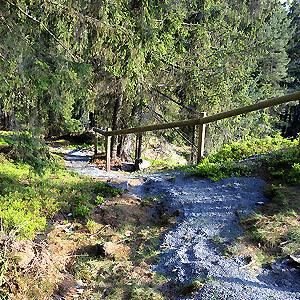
203	247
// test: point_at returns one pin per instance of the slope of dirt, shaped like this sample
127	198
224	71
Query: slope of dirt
197	247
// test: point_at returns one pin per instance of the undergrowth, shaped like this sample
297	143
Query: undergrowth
27	200
273	230
24	147
281	160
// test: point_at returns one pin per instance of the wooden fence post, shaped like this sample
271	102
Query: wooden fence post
138	150
96	143
201	139
108	149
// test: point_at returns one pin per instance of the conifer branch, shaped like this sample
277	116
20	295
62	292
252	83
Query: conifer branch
95	20
177	130
178	103
76	59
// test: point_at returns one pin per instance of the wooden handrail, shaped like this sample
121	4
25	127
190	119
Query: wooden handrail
103	132
204	120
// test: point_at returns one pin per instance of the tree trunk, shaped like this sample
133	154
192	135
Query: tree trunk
92	120
5	121
138	150
125	147
116	118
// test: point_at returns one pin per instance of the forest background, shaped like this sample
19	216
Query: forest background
70	65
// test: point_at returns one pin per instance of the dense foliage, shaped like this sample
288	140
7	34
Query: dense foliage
278	158
28	200
68	65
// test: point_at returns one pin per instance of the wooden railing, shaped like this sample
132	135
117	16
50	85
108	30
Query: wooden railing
192	122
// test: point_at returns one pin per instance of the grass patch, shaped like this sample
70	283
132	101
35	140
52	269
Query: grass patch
123	277
238	151
124	270
274	228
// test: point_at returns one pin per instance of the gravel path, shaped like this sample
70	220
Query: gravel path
195	248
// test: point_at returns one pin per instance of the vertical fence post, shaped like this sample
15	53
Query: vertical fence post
138	150
201	139
96	143
108	150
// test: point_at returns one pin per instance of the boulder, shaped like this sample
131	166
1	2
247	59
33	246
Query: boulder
128	167
294	260
24	251
115	251
143	164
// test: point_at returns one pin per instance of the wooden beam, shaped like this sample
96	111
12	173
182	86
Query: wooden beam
103	132
252	107
220	116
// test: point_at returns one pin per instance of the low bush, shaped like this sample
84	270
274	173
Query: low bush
237	151
281	159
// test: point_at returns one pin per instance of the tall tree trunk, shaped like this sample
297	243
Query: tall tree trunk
125	147
116	118
92	119
5	121
126	141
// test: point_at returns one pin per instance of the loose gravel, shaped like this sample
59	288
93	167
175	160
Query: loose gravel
207	229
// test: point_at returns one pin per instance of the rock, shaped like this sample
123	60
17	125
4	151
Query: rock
128	233
127	167
143	164
114	251
116	168
67	287
294	260
131	167
120	185
24	251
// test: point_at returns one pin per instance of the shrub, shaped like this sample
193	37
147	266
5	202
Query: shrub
31	150
282	160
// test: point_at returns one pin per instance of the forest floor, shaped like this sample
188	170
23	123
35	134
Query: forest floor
168	237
